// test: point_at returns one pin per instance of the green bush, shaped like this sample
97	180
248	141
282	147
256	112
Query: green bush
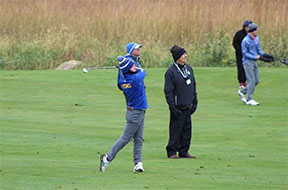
51	49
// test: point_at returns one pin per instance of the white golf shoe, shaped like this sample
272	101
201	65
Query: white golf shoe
103	162
138	167
242	97
252	103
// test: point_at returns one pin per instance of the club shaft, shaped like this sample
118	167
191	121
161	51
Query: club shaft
105	67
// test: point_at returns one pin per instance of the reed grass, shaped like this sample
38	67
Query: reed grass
41	34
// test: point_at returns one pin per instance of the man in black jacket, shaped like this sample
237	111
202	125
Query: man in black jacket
181	96
239	36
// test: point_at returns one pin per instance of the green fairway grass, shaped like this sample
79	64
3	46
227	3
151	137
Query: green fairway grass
55	124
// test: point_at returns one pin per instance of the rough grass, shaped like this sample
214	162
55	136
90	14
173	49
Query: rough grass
54	124
41	34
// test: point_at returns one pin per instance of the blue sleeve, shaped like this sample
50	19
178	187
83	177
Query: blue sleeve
120	79
245	51
259	48
139	76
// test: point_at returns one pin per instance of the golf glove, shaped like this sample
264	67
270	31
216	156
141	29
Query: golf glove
268	56
265	59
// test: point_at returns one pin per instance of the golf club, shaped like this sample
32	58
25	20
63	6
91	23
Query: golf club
284	61
85	69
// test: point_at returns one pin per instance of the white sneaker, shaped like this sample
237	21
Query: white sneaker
138	167
103	162
252	103
242	97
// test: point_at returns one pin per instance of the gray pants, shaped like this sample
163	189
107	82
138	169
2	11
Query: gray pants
252	76
133	130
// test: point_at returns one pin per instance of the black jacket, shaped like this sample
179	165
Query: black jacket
178	94
239	36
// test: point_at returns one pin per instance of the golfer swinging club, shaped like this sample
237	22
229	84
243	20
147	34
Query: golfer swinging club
133	52
133	86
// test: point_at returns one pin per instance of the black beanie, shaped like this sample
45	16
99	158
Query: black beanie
177	52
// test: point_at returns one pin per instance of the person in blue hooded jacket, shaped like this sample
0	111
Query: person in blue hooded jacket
133	87
133	52
251	52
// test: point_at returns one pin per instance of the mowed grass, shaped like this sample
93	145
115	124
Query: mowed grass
54	124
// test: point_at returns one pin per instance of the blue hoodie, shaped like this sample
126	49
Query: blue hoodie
134	89
135	59
137	64
250	49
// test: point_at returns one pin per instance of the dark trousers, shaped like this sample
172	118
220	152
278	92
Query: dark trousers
240	69
180	131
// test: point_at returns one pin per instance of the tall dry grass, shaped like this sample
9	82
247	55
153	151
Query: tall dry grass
37	34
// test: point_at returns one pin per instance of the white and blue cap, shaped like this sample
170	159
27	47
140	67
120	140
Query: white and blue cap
131	46
125	64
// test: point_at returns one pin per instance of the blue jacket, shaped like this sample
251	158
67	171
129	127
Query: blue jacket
137	64
134	89
120	77
250	49
135	59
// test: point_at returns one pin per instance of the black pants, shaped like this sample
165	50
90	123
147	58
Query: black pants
240	69
180	131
